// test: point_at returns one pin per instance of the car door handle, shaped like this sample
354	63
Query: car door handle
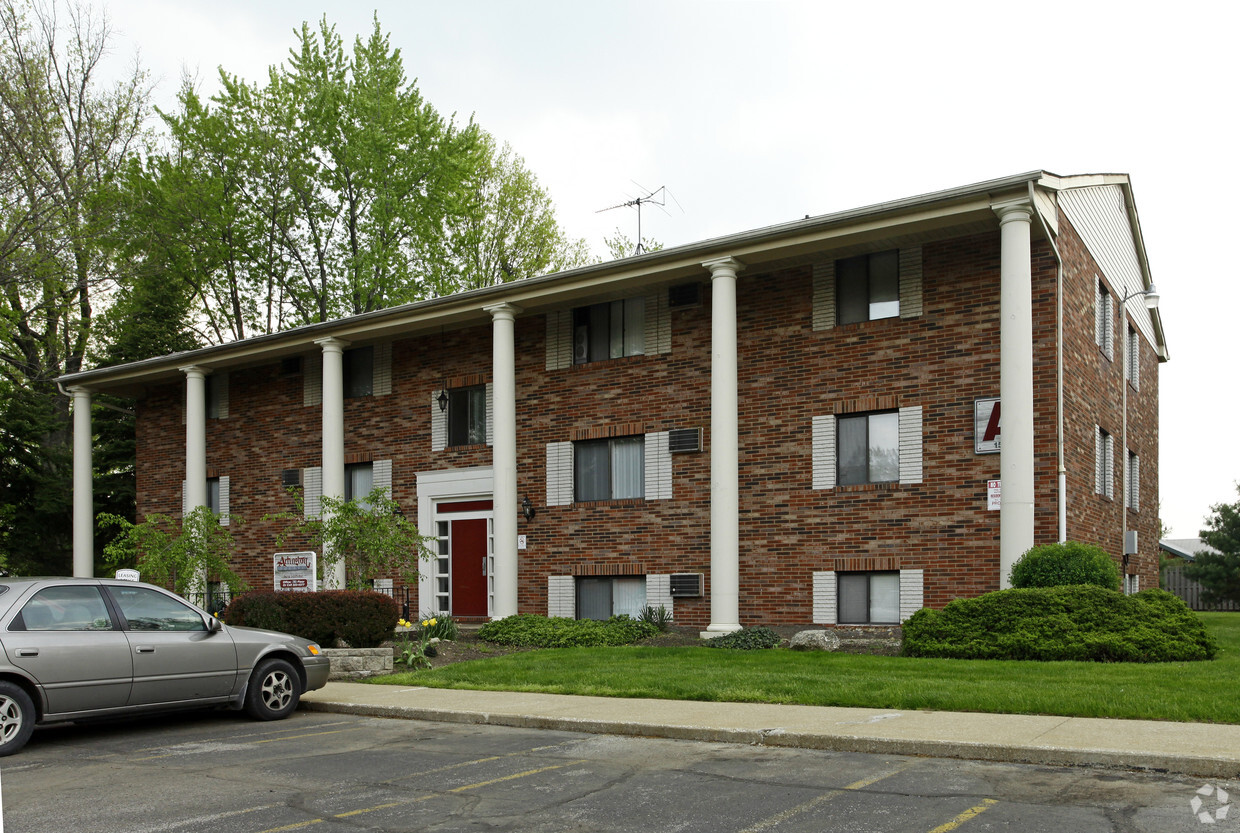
145	649
27	652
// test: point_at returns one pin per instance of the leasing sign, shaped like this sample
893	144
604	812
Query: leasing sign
986	425
295	571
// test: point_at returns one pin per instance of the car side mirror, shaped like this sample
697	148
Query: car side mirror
214	625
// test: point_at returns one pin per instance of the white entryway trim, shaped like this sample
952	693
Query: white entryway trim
436	486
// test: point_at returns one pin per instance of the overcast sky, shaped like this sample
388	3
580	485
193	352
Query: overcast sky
754	113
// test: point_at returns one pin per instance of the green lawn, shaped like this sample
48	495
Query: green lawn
1191	691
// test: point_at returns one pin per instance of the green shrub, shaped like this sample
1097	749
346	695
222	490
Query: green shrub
1079	622
359	618
1058	565
746	639
659	616
534	631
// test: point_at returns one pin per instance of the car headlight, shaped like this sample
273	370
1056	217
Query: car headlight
313	649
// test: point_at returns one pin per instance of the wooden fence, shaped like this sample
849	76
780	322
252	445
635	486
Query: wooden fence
1173	581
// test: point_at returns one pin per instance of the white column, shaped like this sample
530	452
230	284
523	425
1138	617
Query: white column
1015	385
504	456
83	486
333	440
724	453
195	436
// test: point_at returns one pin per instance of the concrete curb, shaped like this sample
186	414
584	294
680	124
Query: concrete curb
1203	766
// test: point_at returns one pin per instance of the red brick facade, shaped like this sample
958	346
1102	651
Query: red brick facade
941	361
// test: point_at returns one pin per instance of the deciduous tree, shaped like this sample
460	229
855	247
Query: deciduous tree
64	135
1219	572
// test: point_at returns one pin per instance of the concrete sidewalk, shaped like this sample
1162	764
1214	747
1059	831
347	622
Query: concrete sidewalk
1199	749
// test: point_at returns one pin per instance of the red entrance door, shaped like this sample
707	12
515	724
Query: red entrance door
468	552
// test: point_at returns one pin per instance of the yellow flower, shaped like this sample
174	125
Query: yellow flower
431	622
404	624
426	623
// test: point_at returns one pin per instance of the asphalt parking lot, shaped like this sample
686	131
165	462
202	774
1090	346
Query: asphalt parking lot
220	772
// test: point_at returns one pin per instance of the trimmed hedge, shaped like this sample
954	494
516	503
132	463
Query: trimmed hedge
746	639
359	618
1079	622
1057	565
532	631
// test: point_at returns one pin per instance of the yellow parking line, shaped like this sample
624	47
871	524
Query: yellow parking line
419	799
972	812
306	735
517	775
450	767
779	818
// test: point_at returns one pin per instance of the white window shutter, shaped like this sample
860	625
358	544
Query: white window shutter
382	369
910	445
562	596
910	282
1109	467
1098	461
824	294
381	475
912	592
1136	483
224	519
490	395
824	598
1108	325
312	380
312	491
559	474
184	500
823	451
659	592
658	467
439	423
1099	316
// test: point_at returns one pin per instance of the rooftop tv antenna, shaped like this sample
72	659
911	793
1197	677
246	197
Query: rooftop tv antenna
638	203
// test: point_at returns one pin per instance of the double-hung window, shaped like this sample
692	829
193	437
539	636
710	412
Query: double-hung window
359	482
869	598
359	372
1104	463
213	388
609	469
609	330
1132	482
868	287
213	495
868	448
1104	320
467	415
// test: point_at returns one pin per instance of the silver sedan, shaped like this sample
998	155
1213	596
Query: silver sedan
72	648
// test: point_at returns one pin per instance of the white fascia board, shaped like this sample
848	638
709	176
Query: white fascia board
928	212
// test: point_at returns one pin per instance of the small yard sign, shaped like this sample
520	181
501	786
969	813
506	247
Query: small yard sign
295	572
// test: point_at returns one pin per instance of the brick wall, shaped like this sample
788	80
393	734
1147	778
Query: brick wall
1093	397
940	361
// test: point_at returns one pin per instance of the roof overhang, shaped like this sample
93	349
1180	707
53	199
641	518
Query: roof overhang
963	210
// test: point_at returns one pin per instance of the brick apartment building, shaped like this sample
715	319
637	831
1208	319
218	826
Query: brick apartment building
789	425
